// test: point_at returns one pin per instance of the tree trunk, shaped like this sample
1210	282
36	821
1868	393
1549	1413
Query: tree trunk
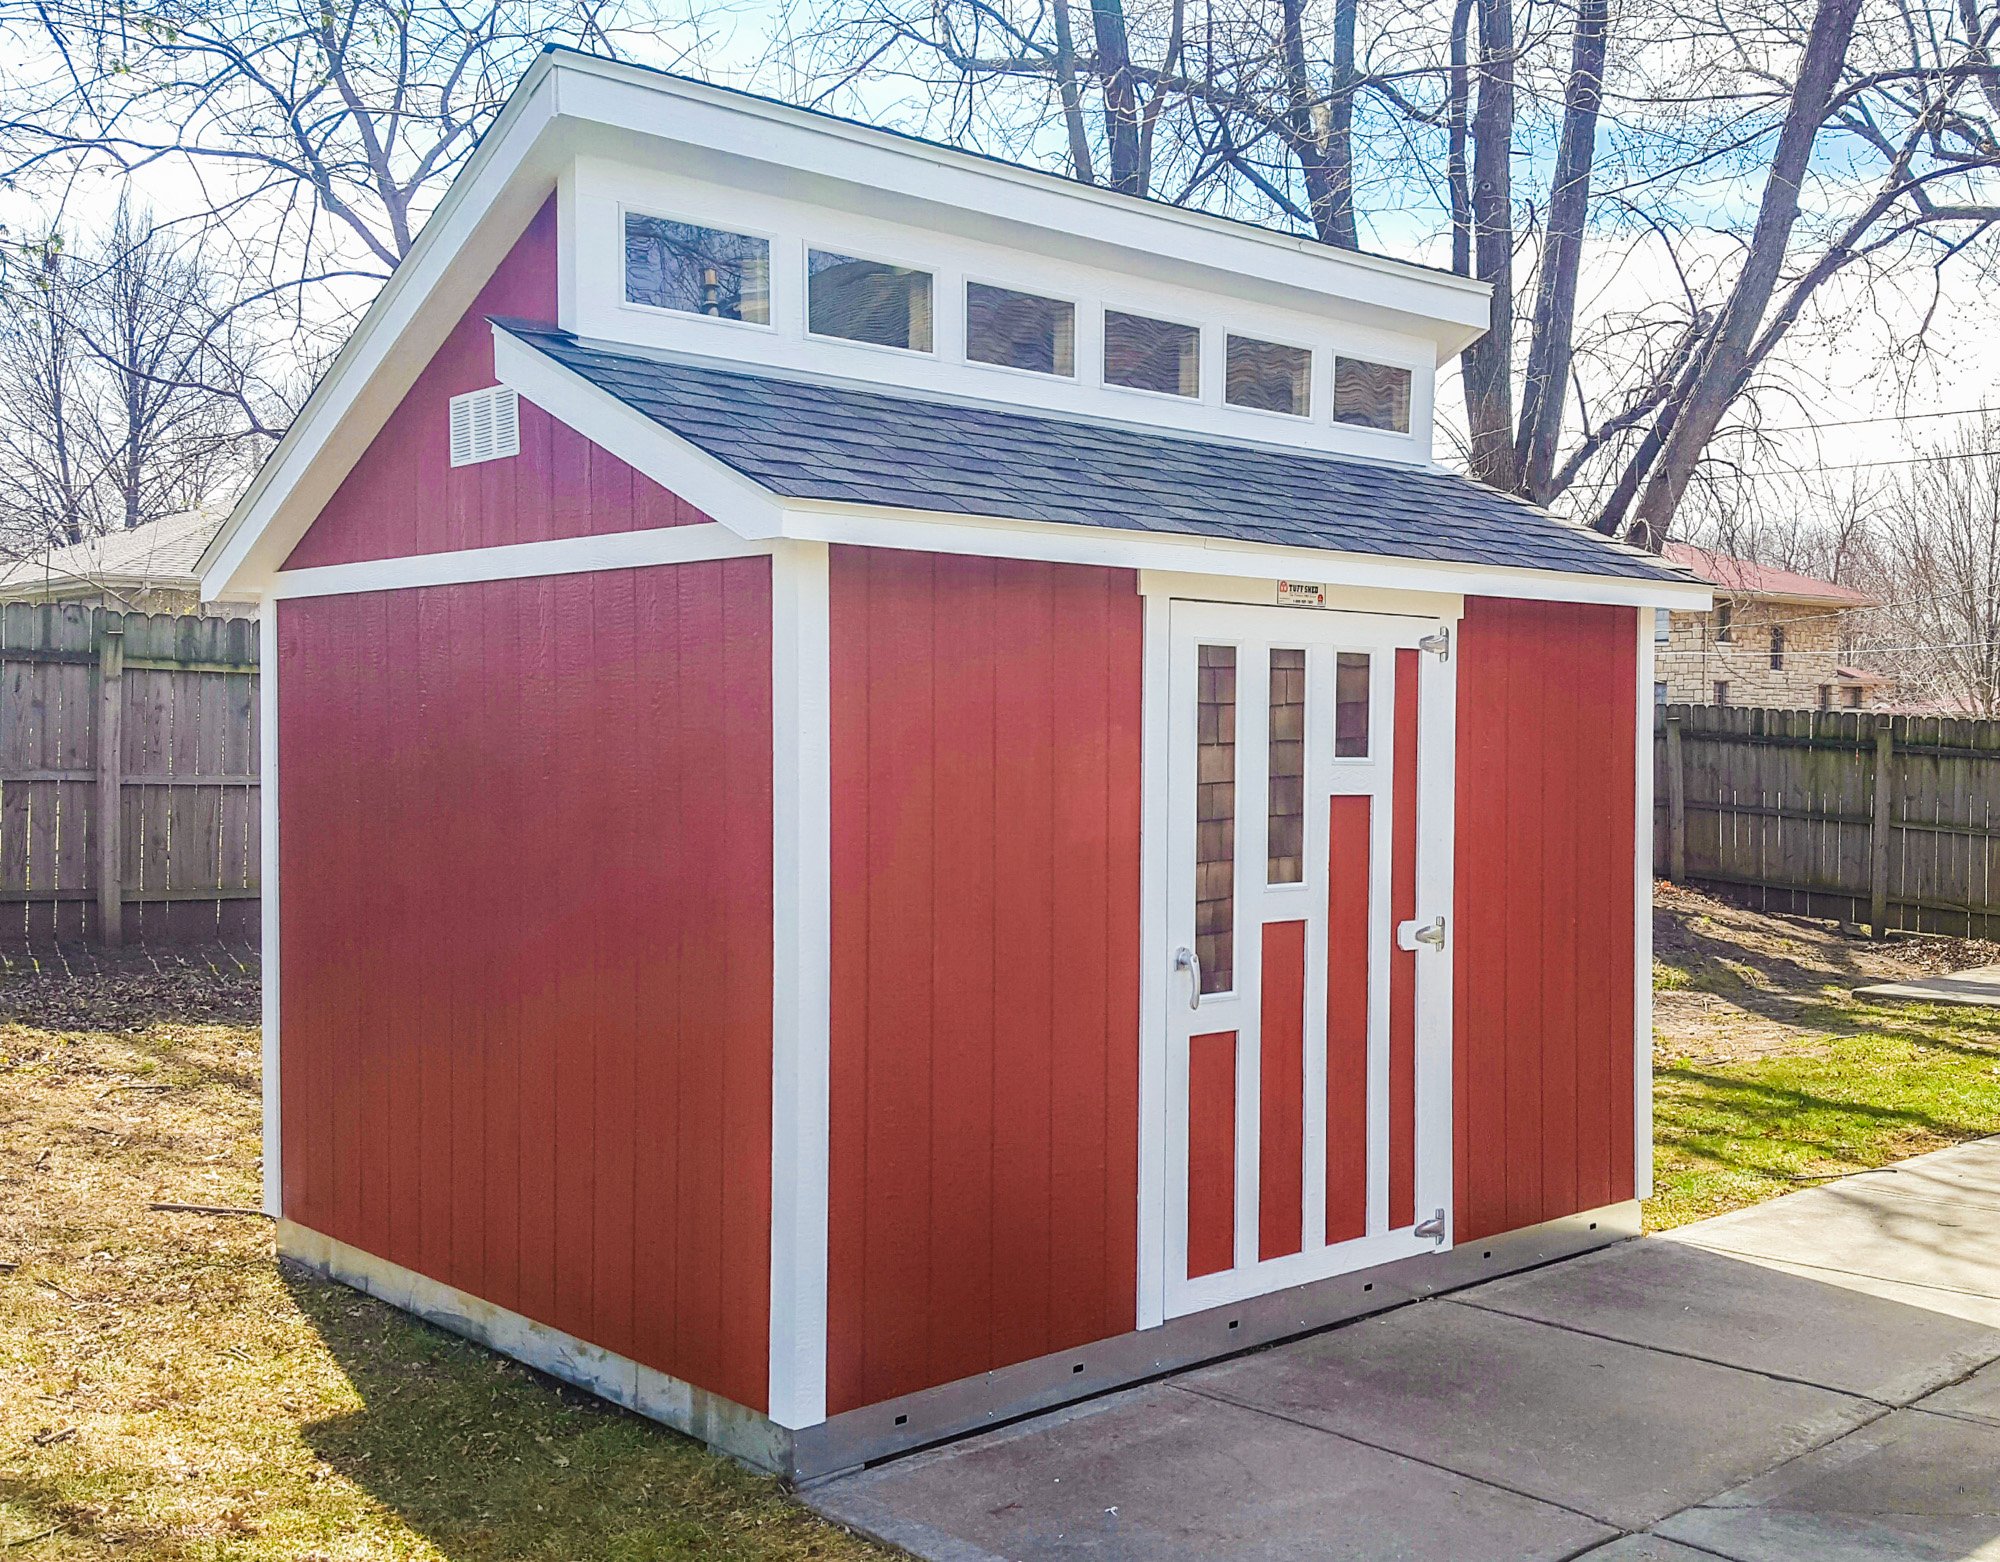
1072	97
1487	365
1545	388
1726	365
1456	116
1323	152
1121	94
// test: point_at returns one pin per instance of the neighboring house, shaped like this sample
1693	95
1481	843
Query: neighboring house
1773	638
956	814
149	568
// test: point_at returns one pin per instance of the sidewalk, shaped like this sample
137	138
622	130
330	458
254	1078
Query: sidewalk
1810	1380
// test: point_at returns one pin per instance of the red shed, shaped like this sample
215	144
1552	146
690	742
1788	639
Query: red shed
895	791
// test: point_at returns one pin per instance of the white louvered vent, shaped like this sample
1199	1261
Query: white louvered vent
485	425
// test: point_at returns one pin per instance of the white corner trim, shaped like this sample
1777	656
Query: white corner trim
267	797
719	1422
1642	921
522	560
801	983
1155	830
712	487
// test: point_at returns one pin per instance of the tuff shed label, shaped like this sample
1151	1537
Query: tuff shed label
1301	593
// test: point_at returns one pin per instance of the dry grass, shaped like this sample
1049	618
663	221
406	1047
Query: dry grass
168	1391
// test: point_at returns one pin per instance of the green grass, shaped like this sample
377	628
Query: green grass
168	1390
1868	1085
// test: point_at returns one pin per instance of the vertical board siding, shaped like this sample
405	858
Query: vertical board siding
1281	1090
985	965
1543	934
527	948
1211	1141
1347	930
1403	962
404	497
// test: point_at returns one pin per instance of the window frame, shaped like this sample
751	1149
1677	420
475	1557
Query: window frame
1334	355
1725	623
968	280
1172	398
806	249
1777	648
772	244
1294	419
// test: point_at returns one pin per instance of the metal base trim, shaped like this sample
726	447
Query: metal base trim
722	1424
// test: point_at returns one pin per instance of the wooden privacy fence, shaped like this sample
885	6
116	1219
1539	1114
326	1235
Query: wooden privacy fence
148	720
1848	815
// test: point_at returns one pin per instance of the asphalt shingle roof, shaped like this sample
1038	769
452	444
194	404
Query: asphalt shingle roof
808	439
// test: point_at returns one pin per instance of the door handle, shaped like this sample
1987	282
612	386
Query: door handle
1187	960
1411	934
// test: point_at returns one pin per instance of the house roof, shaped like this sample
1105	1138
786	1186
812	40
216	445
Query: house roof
157	553
810	439
1764	582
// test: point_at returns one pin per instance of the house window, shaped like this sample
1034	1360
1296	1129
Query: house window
1659	691
868	301
1778	646
1371	395
1268	377
1662	626
1215	819
1019	330
1854	696
1722	691
1826	696
697	271
1153	355
1723	614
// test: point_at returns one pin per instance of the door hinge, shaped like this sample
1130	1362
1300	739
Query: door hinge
1432	1228
1439	644
1411	934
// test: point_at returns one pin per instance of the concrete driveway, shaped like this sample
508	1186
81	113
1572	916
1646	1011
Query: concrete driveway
1813	1380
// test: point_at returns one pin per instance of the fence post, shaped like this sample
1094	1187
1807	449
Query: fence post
110	777
1677	823
1878	832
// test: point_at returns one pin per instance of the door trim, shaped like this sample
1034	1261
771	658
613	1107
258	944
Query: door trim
1437	731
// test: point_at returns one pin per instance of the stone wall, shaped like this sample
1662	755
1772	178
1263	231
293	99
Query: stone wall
1692	661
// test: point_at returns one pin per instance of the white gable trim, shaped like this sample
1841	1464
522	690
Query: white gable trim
486	209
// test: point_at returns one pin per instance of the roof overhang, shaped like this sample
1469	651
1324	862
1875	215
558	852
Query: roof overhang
572	104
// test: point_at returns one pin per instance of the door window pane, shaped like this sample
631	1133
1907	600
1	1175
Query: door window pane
1350	705
1268	376
698	271
1153	355
1285	846
868	301
1215	819
1371	395
1019	330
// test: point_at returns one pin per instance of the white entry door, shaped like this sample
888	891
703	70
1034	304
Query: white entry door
1308	1062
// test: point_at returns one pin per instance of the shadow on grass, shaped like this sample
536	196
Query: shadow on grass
489	1459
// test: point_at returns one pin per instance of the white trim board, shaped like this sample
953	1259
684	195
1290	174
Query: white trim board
267	795
522	560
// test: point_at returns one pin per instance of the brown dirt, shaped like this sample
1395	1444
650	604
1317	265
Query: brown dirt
1731	983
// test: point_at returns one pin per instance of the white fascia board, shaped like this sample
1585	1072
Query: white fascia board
925	532
488	205
731	136
711	486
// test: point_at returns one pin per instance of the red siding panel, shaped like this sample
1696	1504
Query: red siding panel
1403	962
1542	1034
404	496
1281	1105
1211	1196
985	965
1347	924
527	939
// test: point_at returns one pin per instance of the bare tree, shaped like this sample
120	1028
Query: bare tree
1941	548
